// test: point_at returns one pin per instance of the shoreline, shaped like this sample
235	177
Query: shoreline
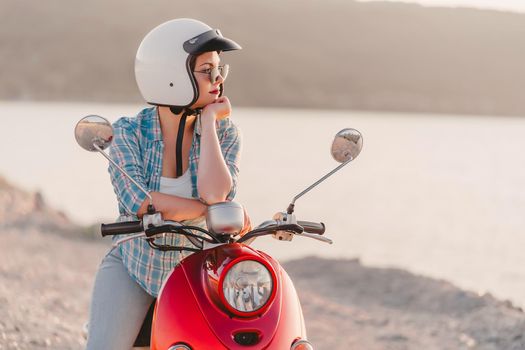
45	301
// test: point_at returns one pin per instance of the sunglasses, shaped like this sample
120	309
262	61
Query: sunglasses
214	72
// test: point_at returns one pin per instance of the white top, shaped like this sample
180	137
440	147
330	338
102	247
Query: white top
180	186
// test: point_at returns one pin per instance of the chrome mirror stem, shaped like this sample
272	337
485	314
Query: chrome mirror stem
123	172
291	206
346	147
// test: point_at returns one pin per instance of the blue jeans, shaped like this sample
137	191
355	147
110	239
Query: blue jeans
118	306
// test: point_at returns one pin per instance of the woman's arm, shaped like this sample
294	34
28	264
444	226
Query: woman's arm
125	151
214	178
173	207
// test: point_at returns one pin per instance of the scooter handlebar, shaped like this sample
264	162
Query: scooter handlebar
121	228
312	227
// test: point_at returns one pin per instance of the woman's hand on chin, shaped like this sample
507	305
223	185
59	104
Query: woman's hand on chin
217	110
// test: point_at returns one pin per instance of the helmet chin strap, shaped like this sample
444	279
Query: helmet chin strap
180	135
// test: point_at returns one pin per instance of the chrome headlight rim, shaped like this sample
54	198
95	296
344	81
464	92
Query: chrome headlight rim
179	346
224	273
300	343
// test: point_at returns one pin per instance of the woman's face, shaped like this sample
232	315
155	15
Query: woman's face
208	91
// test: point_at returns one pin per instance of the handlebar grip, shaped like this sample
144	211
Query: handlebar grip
121	228
312	227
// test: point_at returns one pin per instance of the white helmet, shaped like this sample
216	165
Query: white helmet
162	64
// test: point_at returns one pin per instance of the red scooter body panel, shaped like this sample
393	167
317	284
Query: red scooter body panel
189	309
178	318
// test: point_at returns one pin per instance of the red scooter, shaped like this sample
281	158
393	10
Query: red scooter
234	296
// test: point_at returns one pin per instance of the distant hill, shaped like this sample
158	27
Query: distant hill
308	53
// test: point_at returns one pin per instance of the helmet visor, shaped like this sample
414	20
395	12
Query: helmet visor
209	41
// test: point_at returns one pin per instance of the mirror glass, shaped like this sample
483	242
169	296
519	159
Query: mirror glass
347	145
93	129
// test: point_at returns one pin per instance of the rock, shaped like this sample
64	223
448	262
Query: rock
393	338
25	211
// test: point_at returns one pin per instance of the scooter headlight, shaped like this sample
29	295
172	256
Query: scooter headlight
179	347
248	286
302	345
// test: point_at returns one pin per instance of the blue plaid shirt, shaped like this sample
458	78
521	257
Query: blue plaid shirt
138	147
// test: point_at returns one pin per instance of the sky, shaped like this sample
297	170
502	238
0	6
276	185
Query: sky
504	5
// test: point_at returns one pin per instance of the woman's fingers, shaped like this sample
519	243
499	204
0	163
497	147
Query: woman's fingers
247	224
219	108
223	107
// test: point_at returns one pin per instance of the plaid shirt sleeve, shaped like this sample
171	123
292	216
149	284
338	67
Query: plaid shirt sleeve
125	151
230	141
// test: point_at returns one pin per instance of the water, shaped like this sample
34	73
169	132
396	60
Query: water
442	196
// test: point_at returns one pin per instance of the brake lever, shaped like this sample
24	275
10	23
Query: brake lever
149	220
317	237
117	242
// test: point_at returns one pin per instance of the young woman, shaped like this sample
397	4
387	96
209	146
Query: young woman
184	150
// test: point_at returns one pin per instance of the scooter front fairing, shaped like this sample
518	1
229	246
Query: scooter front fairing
190	310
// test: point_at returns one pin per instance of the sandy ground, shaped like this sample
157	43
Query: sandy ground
349	306
46	279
